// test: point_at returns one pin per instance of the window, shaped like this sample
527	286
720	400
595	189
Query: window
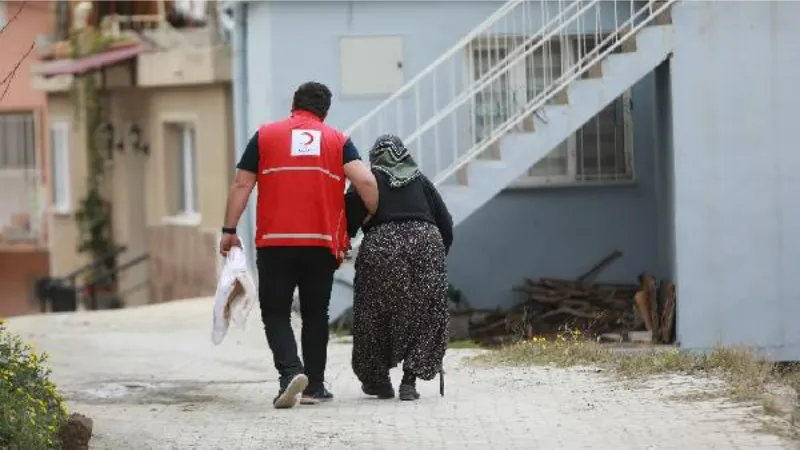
600	151
371	65
17	141
3	13
181	162
60	165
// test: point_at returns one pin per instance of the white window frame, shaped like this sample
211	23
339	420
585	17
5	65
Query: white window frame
518	78
188	202
60	176
188	164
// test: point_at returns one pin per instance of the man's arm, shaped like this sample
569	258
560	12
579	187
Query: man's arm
360	177
243	183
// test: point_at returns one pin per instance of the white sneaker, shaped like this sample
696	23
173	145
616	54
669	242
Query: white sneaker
288	397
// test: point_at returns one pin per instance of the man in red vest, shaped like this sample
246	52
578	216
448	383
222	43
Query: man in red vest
300	165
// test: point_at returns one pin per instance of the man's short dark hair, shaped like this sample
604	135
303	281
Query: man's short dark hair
312	97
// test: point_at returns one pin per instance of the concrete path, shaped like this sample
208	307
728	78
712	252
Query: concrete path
151	379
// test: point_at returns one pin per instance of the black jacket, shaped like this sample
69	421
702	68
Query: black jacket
419	200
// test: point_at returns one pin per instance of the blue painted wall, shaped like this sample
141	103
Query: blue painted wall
737	174
562	232
543	232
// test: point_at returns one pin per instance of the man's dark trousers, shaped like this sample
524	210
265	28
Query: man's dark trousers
280	270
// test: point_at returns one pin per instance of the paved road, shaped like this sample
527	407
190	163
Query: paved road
152	380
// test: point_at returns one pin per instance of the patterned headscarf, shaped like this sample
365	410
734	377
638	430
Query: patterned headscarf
391	157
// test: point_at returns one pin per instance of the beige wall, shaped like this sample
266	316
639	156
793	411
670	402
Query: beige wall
206	108
140	185
63	229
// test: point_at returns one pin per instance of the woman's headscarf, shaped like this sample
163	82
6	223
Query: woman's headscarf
391	157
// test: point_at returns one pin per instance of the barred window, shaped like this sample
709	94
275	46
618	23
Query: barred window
601	150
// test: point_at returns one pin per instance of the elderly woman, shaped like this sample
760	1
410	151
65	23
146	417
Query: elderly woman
400	307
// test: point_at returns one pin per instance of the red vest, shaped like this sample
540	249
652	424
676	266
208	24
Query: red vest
301	185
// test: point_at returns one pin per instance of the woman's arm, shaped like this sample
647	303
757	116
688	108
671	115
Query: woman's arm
440	213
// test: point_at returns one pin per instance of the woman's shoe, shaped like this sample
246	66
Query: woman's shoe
408	392
380	390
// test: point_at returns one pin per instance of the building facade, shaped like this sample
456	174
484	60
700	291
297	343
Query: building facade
655	136
165	140
24	255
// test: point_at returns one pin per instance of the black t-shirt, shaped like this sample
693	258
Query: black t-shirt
249	161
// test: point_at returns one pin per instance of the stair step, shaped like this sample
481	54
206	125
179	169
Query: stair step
596	71
587	90
665	18
561	97
656	35
628	45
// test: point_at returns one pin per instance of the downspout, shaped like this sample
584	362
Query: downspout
246	228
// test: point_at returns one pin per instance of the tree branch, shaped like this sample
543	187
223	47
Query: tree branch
5	82
14	17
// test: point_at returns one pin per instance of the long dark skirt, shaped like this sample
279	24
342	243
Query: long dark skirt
400	307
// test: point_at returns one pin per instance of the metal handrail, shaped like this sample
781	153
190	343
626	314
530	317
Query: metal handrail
117	270
465	41
613	40
105	276
481	28
500	69
592	58
98	262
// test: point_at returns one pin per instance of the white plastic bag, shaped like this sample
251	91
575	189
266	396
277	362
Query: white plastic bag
236	295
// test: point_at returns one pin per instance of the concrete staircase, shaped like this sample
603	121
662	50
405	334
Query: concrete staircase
530	130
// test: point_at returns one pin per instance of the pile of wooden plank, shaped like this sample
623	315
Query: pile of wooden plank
557	305
656	306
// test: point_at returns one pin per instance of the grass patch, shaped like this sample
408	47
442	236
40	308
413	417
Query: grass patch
464	343
746	378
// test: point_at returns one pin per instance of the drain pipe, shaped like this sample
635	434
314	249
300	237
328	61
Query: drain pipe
246	226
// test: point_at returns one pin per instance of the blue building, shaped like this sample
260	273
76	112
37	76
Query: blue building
560	130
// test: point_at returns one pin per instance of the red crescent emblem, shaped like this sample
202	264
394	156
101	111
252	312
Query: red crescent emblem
309	136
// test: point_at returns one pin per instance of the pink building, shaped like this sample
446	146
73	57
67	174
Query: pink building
24	158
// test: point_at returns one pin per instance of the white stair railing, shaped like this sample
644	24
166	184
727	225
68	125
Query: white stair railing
406	107
589	49
499	75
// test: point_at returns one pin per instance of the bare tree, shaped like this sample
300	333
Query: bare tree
6	79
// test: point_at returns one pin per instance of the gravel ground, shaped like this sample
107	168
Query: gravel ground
151	379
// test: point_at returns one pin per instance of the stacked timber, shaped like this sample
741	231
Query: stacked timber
555	305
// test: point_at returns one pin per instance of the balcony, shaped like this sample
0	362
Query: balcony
22	202
167	43
196	59
22	222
